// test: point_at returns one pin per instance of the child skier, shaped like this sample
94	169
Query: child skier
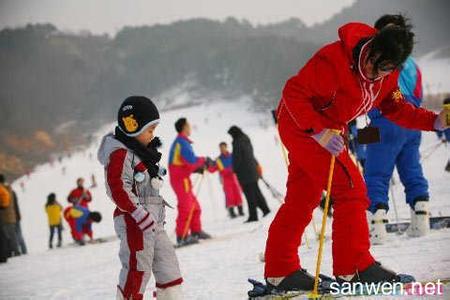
54	209
80	220
231	187
131	162
342	81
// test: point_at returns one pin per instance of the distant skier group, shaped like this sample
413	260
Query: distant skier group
239	171
77	215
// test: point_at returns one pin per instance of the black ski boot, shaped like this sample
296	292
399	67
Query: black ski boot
376	273
250	220
231	212
299	280
447	167
189	240
240	210
201	235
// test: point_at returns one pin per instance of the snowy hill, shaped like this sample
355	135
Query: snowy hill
216	269
435	72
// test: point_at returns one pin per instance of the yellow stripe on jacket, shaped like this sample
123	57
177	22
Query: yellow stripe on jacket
177	159
187	185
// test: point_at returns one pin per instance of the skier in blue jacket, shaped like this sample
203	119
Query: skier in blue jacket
399	147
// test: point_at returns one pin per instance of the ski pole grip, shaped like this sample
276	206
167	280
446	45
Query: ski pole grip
337	131
447	114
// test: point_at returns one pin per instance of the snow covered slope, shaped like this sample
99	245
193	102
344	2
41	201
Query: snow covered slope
435	72
216	269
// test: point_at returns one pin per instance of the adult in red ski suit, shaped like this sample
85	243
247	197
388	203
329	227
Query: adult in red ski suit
328	92
80	195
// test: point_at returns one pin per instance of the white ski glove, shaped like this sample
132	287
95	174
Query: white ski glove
142	218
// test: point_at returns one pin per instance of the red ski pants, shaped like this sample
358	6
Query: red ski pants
189	210
308	173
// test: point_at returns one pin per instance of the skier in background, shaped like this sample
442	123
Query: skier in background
80	195
248	172
342	81
80	220
54	210
182	163
399	147
228	179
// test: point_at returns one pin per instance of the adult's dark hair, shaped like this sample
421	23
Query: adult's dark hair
222	144
179	124
391	45
51	199
446	101
95	216
398	20
2	179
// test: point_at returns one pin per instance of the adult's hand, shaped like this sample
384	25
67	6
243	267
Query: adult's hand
331	140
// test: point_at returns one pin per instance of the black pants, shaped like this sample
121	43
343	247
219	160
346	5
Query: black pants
54	228
9	230
4	249
255	199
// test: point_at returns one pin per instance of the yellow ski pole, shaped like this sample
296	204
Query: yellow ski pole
315	293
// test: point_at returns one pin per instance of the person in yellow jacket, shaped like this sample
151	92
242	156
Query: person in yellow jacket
54	210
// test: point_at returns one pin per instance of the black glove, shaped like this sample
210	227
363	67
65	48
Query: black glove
200	170
209	162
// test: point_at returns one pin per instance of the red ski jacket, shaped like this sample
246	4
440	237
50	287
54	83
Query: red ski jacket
329	91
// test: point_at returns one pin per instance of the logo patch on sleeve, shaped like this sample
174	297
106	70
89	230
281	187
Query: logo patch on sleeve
397	95
131	125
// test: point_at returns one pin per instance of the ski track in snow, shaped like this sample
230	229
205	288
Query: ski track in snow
215	269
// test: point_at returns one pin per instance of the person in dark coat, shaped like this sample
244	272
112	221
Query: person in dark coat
246	168
20	239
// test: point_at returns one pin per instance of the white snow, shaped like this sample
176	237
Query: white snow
216	269
435	73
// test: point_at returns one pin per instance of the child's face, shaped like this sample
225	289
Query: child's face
223	149
147	135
